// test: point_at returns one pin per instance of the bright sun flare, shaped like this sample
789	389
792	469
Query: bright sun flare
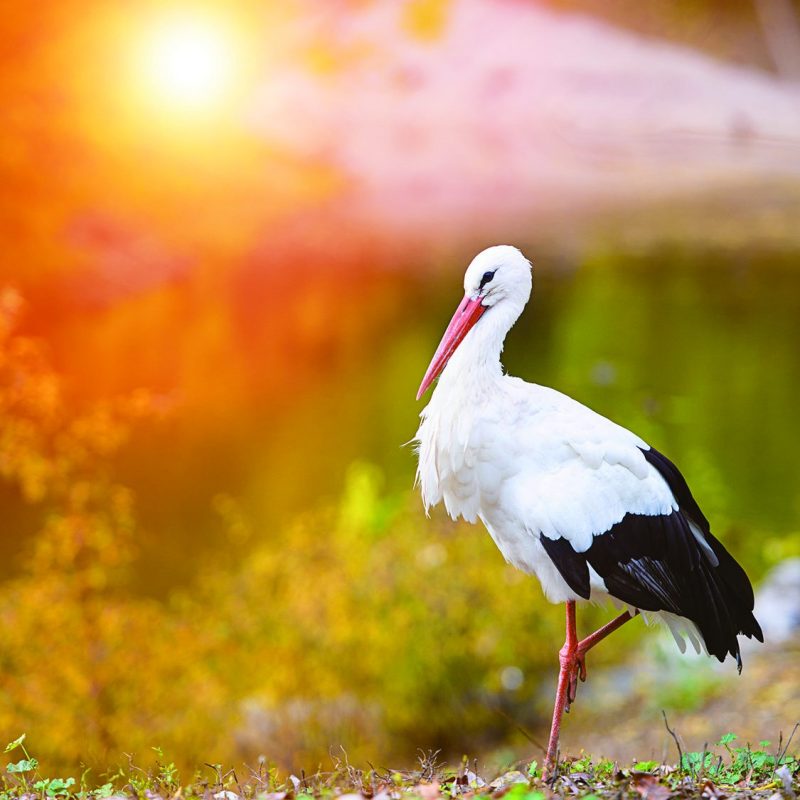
189	62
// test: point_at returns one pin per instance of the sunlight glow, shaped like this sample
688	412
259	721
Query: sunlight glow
189	62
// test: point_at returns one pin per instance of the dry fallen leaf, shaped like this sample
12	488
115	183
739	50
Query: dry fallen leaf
427	791
649	787
712	792
507	780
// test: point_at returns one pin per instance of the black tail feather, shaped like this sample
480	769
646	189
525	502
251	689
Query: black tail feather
731	586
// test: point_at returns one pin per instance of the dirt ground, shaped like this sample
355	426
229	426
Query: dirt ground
618	713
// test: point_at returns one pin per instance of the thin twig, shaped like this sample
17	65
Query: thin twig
778	751
675	737
782	755
217	770
529	736
236	781
703	761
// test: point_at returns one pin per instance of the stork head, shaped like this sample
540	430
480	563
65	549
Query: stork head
498	279
496	274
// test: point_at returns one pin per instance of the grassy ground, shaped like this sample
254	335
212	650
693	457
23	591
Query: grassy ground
638	750
723	771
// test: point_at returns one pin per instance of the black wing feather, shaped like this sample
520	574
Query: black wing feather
678	486
573	566
655	563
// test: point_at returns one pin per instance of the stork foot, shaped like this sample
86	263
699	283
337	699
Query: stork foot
573	662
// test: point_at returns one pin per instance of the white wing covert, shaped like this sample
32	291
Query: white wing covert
583	474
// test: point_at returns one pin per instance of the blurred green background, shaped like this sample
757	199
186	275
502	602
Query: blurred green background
218	302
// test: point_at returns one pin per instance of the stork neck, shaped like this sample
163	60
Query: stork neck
475	366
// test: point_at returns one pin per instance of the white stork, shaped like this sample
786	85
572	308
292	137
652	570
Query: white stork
585	505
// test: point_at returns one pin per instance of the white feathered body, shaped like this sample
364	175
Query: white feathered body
534	462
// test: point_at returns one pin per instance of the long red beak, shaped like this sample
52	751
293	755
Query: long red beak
467	314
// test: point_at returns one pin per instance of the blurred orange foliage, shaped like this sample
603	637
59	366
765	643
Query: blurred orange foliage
338	631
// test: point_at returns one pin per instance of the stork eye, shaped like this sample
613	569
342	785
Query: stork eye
487	276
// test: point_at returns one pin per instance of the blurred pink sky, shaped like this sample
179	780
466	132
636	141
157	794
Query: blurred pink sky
511	109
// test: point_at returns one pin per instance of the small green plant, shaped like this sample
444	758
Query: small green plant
521	791
167	773
54	787
604	768
582	764
24	775
741	762
21	768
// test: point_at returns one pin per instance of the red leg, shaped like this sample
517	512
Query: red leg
572	660
584	645
566	659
